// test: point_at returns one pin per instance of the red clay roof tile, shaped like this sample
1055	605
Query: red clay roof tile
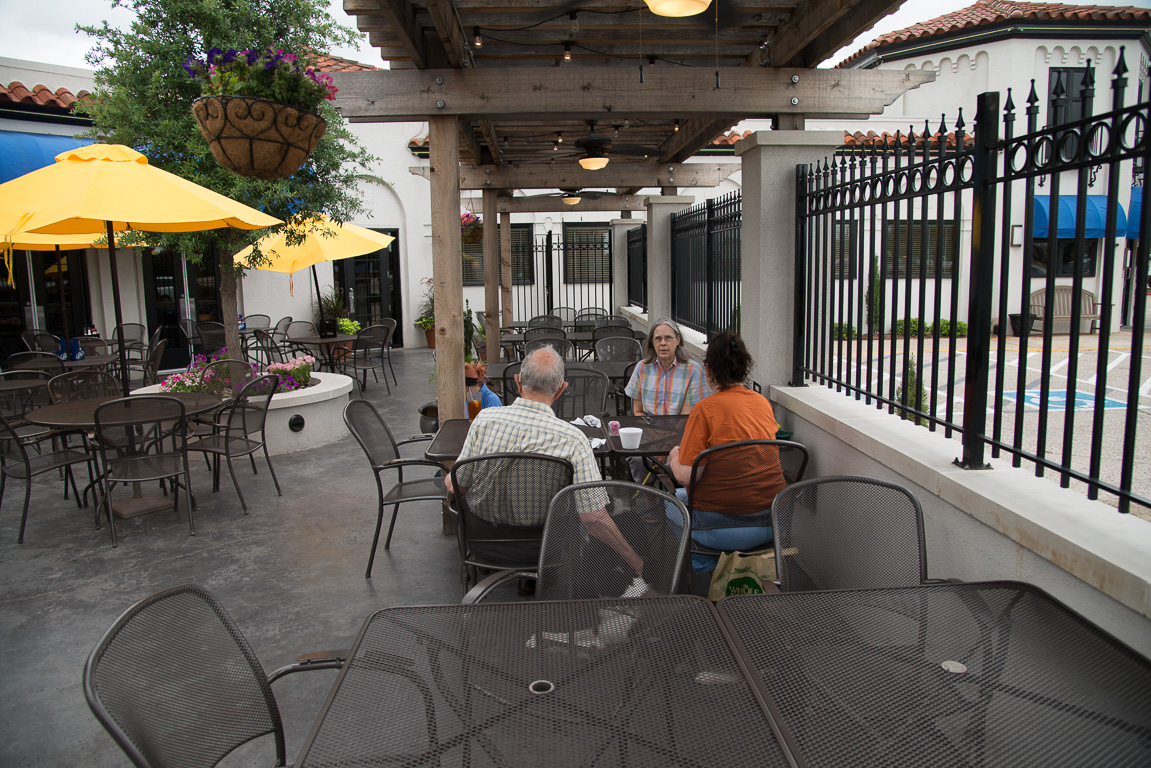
39	96
990	11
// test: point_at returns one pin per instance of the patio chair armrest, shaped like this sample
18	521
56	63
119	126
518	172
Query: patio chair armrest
311	661
491	582
942	581
426	437
398	463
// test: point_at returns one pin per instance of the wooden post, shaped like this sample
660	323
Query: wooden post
447	274
506	265
492	277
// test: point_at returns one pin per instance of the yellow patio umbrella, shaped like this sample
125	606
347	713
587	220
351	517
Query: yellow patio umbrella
108	188
326	241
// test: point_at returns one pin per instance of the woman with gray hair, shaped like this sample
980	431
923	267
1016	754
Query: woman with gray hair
666	383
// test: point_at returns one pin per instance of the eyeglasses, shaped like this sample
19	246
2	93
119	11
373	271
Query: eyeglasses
471	382
668	339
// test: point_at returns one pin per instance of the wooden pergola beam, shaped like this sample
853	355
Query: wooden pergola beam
547	93
556	205
571	176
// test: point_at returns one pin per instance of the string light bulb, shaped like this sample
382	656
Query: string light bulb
567	51
477	41
677	126
575	24
560	138
555	146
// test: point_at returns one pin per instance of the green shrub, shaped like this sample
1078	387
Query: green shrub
912	327
945	328
910	384
843	331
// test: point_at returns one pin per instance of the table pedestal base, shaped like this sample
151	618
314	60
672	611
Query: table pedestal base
139	505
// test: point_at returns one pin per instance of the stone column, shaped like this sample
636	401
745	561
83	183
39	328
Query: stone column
768	242
659	211
619	229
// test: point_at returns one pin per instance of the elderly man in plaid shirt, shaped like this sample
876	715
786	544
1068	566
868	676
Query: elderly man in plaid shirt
529	425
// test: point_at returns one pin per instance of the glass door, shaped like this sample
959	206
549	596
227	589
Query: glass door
370	287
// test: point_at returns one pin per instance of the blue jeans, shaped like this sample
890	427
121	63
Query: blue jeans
734	539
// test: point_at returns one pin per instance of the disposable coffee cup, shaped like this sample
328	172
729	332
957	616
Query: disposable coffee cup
629	437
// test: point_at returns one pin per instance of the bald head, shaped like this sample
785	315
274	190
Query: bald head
542	372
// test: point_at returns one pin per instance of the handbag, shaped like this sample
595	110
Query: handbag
740	574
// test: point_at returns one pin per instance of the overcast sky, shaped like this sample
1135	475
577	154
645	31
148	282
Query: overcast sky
42	30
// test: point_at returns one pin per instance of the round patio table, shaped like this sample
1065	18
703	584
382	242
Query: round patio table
81	414
325	343
77	415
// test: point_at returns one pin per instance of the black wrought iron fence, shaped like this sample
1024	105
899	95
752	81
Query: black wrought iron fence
637	266
911	248
705	264
573	273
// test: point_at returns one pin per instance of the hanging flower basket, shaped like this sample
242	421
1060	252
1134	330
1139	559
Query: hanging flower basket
474	237
255	137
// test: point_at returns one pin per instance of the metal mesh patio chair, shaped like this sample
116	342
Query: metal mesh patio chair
36	361
563	347
280	332
82	385
93	346
575	564
174	682
613	320
135	337
848	532
254	322
501	500
586	393
567	314
383	452
40	341
544	332
611	332
189	330
295	330
141	439
510	390
20	462
149	367
365	354
384	331
212	338
726	466
265	347
224	378
546	321
239	431
618	348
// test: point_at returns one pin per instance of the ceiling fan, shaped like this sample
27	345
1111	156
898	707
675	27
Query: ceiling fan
596	148
572	196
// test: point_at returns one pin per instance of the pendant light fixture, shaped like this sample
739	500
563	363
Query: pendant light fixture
593	161
572	198
677	7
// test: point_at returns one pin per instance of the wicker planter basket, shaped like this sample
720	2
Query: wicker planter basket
257	138
474	237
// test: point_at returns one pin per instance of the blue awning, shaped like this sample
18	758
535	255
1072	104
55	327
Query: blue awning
1093	226
21	153
1136	210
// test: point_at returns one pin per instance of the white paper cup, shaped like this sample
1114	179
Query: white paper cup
629	437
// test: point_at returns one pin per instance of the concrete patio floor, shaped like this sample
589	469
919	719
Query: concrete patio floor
291	574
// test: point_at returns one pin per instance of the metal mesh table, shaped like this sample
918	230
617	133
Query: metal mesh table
982	674
647	682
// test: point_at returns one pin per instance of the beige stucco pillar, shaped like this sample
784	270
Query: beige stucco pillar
619	230
768	243
659	212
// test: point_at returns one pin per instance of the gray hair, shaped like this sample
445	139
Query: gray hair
542	371
649	354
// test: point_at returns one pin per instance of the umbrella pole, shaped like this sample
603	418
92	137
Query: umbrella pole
63	304
119	315
319	300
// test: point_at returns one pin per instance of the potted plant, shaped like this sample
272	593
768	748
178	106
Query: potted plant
426	315
258	111
471	227
348	326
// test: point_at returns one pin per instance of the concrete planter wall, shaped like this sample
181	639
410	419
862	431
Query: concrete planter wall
321	407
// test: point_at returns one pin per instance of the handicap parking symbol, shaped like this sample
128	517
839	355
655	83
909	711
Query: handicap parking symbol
1057	400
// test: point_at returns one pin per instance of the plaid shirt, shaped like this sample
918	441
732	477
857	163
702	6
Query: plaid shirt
667	391
527	426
